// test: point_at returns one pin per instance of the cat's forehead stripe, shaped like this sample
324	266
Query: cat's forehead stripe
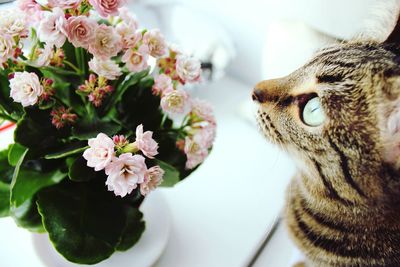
307	86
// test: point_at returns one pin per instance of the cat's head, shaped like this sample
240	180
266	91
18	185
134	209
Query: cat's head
339	114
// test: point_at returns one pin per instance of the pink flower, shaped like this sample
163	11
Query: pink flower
136	60
44	55
107	42
6	48
100	153
105	68
156	43
162	83
130	38
125	173
188	68
107	7
30	7
13	22
206	135
26	5
195	150
145	142
152	179
64	4
52	28
175	50
175	102
203	110
127	17
25	88
127	29
81	31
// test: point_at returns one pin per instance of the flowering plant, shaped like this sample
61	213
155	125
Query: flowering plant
99	125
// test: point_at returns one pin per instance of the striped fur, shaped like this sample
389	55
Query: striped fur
343	206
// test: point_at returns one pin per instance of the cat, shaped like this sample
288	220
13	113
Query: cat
339	117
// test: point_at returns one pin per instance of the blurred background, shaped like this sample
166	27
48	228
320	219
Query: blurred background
224	212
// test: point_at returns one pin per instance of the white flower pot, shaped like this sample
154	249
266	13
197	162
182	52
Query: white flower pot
144	254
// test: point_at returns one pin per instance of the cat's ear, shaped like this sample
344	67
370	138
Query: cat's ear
392	135
382	24
394	36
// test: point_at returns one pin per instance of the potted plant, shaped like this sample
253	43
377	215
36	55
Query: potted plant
102	118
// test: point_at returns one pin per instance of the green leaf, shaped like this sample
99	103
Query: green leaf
15	152
84	220
6	171
171	176
139	106
129	81
65	90
69	51
37	134
6	102
17	168
28	183
34	36
80	172
134	229
86	128
27	216
71	149
4	199
60	71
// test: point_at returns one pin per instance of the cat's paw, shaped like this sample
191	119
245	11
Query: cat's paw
300	264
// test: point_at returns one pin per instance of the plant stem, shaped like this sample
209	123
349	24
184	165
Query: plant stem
83	62
57	70
80	60
90	109
72	66
33	50
184	122
7	117
164	118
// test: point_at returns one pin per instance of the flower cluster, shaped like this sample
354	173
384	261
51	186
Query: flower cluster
199	126
83	81
62	116
201	133
121	161
107	52
13	29
96	88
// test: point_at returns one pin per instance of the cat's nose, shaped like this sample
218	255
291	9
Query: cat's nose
268	91
261	91
258	95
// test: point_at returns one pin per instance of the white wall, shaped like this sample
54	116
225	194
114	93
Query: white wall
248	21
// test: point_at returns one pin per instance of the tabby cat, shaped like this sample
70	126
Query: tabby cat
339	117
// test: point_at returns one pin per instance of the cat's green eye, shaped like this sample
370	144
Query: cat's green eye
313	113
